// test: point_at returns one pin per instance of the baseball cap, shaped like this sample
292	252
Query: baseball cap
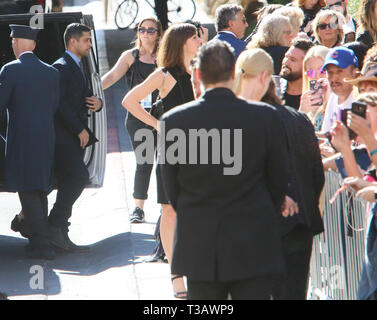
341	57
368	73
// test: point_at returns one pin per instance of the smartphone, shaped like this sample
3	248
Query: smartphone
278	85
359	108
328	137
316	87
352	135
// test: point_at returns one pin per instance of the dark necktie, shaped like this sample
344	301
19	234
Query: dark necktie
82	69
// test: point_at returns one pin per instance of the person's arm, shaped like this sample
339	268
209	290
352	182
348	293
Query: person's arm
132	99
6	88
341	142
277	162
118	70
362	128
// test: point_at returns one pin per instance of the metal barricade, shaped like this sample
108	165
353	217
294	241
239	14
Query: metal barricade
338	252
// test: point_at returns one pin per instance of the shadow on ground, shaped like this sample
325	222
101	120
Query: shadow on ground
109	253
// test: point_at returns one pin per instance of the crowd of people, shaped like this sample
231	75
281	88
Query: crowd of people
305	69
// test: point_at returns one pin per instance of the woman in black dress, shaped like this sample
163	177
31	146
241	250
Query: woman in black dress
137	64
178	47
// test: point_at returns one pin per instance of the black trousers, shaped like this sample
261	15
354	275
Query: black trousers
143	170
297	250
161	9
72	177
35	209
259	288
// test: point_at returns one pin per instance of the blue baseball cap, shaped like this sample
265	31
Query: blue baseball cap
341	57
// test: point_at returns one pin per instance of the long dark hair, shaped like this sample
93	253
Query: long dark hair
170	52
271	95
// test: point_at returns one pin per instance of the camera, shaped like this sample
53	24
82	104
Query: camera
359	108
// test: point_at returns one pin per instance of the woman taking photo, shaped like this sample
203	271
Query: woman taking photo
313	100
178	47
137	64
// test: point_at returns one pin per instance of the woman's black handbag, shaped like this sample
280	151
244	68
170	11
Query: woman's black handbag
157	109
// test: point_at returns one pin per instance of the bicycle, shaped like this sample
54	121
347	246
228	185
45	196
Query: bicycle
178	11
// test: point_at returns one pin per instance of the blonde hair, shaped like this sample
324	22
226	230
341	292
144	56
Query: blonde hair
366	18
270	31
314	52
250	64
295	15
324	14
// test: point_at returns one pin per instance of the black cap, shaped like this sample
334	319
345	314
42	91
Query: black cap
23	32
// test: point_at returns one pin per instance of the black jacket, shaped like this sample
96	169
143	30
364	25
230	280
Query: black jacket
227	225
306	177
72	115
29	90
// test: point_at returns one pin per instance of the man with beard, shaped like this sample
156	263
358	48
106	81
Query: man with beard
340	63
291	71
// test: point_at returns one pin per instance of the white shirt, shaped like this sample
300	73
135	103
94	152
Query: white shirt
333	108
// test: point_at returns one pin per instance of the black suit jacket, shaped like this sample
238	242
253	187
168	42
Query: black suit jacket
306	177
72	115
227	225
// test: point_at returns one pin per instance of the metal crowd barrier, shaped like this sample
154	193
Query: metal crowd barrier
338	252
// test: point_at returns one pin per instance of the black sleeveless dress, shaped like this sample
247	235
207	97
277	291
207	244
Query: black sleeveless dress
181	93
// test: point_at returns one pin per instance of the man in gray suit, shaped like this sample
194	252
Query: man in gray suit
29	90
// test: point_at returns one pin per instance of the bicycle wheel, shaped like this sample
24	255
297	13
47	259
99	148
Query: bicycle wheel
126	14
181	10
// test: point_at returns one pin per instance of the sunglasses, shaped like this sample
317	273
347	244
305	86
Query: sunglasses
149	30
331	26
312	73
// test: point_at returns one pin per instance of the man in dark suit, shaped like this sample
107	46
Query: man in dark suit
29	89
306	179
227	238
72	133
231	25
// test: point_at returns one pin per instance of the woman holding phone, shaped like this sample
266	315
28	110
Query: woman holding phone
315	88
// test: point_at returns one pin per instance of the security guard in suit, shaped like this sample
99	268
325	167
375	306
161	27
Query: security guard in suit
72	133
29	90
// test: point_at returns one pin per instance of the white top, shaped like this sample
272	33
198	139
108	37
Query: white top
332	112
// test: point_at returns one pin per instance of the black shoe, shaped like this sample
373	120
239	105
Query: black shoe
74	247
60	240
20	226
3	296
35	252
137	216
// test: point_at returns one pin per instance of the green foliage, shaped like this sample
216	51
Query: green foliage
353	6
